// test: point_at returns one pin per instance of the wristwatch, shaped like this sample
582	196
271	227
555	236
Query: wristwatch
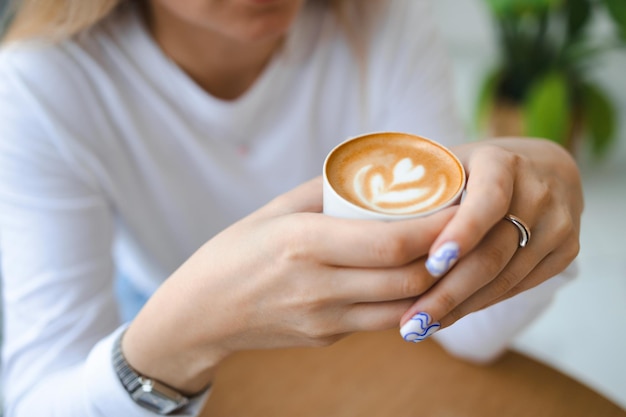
146	392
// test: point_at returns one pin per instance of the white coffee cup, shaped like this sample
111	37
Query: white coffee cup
390	176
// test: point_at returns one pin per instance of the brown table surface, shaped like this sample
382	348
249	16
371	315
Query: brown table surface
378	374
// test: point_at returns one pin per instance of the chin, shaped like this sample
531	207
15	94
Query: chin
269	20
260	34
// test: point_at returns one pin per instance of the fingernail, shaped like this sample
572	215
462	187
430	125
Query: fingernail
443	259
419	328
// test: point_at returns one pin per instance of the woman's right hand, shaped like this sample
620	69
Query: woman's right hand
284	276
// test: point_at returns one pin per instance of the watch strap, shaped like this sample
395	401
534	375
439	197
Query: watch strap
128	377
135	383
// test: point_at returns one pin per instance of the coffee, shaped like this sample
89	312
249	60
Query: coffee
394	174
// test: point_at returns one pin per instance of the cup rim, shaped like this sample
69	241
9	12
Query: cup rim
381	215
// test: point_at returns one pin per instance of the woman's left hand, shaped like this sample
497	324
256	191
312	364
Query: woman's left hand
532	179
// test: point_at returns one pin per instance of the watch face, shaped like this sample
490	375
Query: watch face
155	401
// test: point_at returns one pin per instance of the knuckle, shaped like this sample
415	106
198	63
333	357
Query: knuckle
446	301
318	322
514	160
492	258
391	249
544	195
304	301
331	340
570	250
575	249
506	157
520	161
540	195
292	253
500	190
310	301
504	283
564	229
491	151
294	247
411	285
324	341
317	333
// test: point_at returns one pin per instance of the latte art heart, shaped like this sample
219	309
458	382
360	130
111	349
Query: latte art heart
403	194
390	175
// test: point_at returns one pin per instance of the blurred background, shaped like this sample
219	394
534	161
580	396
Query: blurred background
531	67
583	334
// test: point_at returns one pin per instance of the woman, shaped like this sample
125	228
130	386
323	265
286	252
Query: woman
141	143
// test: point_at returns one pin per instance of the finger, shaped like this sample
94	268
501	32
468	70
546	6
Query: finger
509	282
369	243
554	247
542	271
374	285
549	267
557	239
373	316
489	190
478	269
332	324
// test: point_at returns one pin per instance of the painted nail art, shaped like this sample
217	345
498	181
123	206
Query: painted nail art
443	259
419	328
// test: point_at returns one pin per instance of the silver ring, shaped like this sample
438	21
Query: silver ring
524	230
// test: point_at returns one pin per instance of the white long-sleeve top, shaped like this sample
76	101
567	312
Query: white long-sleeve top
113	159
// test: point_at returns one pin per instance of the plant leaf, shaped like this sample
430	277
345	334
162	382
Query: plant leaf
519	7
617	10
578	14
600	118
498	7
546	108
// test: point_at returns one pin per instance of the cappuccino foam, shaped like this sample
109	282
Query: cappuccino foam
395	173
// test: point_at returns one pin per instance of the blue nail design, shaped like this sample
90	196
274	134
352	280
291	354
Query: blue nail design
419	328
442	260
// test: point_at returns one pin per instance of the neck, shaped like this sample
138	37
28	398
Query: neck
224	67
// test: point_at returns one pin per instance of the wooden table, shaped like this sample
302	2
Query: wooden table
377	374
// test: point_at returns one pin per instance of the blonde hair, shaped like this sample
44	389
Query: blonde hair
54	19
60	19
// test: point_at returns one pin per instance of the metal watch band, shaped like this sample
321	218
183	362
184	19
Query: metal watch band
165	399
128	377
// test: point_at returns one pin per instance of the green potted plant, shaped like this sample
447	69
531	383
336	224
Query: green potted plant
542	86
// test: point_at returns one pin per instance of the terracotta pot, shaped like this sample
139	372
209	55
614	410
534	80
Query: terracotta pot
507	119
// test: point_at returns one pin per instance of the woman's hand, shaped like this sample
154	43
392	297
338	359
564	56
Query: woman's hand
284	276
534	180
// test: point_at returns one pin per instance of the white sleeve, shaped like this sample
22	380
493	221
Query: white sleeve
56	233
410	80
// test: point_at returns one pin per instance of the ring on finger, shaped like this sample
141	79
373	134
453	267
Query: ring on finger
524	230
